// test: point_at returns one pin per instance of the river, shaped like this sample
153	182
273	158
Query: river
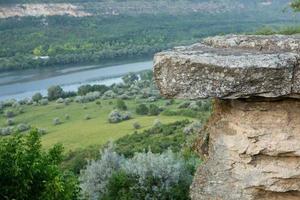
22	84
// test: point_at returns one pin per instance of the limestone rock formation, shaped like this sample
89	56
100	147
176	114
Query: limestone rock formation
254	131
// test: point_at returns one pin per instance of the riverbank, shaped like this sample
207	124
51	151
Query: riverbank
23	84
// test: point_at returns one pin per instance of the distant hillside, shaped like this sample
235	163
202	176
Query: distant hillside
37	35
80	8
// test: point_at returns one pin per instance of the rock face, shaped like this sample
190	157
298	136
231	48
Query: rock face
254	131
231	68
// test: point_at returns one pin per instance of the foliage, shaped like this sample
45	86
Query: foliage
296	5
120	104
136	125
144	176
100	39
29	173
94	179
55	92
158	139
154	109
116	116
130	78
142	109
84	89
56	121
37	97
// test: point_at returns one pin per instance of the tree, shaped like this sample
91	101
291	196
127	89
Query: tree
121	105
27	172
296	5
142	109
37	97
55	92
154	109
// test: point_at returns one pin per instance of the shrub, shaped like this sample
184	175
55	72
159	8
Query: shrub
7	130
44	102
98	102
87	117
27	172
154	109
37	97
10	122
116	116
121	105
94	179
23	127
145	176
136	125
55	92
157	123
192	128
67	117
184	104
68	101
9	113
56	121
41	131
142	109
60	100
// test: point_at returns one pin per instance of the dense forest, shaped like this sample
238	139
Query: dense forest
32	42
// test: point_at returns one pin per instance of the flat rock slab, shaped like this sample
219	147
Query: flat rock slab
231	67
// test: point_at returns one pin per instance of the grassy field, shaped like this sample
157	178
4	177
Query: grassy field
79	133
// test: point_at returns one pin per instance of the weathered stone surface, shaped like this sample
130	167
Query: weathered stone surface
254	152
251	144
272	43
236	67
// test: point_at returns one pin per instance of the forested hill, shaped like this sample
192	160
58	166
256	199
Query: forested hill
45	33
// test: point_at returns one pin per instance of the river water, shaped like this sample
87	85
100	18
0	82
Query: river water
22	84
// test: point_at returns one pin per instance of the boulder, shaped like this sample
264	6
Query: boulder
251	143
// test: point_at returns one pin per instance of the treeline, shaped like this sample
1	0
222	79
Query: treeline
34	42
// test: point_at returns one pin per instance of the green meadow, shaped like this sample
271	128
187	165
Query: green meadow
79	133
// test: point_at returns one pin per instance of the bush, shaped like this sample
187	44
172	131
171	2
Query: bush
60	100
6	130
44	102
95	178
23	127
67	117
136	125
116	116
9	113
154	109
121	105
87	117
27	172
145	176
56	121
55	92
37	97
10	122
41	131
184	104
192	128
142	109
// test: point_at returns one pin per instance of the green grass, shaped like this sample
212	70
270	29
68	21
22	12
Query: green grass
78	133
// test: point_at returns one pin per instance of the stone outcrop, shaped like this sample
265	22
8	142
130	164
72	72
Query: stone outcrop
254	131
